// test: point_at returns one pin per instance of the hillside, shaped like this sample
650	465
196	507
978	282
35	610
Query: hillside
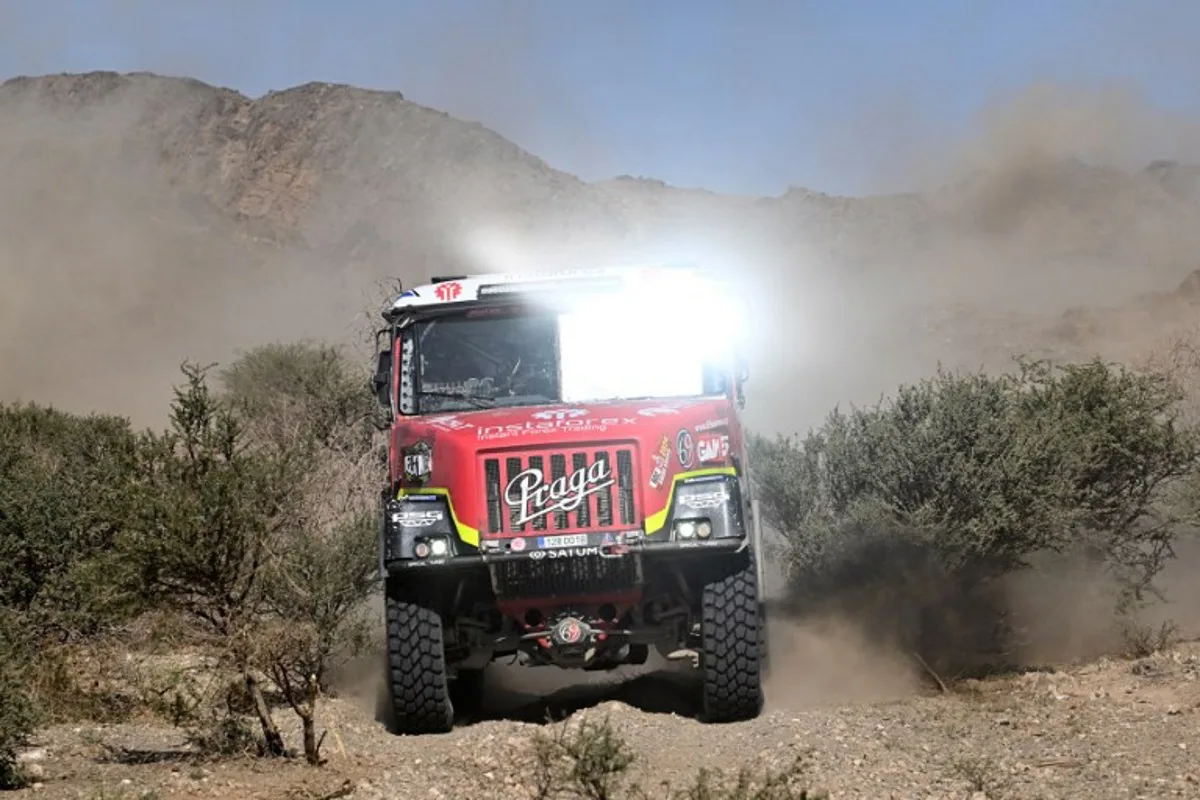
145	220
170	219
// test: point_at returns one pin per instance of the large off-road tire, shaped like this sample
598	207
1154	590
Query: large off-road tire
417	683
732	648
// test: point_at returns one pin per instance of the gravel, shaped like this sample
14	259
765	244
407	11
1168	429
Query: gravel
1111	729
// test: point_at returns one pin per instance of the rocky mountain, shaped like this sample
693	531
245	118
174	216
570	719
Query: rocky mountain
147	219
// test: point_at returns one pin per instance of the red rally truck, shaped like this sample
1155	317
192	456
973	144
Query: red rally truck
568	485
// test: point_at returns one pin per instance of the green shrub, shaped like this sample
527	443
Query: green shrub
959	479
19	714
253	516
65	493
301	392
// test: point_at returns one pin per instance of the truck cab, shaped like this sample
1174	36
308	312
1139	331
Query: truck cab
567	484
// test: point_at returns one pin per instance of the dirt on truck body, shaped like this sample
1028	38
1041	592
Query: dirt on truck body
568	485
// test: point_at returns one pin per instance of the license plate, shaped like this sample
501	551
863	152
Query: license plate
570	540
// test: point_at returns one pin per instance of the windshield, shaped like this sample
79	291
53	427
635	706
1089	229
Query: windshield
493	358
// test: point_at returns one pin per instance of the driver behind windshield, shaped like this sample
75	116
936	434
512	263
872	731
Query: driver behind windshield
496	361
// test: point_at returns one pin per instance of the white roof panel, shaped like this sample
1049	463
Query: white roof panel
467	289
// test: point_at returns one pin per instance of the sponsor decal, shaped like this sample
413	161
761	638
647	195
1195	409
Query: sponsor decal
683	448
661	459
517	545
705	500
570	552
657	411
533	497
712	447
569	631
449	423
543	427
422	518
710	424
448	291
561	413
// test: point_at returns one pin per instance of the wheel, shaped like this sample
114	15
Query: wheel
731	647
417	684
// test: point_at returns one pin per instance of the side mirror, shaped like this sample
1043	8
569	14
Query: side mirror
743	369
383	379
743	375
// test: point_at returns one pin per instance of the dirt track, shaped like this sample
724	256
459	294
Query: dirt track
1113	729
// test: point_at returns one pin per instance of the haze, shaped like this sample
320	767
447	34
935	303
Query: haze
145	221
741	97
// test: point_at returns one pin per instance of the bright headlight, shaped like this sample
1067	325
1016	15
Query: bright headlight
589	338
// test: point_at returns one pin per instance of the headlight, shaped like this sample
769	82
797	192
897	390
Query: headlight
419	526
434	547
707	508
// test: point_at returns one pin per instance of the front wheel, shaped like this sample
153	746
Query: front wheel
732	648
417	684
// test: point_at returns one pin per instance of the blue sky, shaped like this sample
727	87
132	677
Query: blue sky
746	97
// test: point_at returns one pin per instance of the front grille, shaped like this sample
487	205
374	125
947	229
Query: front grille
541	506
566	577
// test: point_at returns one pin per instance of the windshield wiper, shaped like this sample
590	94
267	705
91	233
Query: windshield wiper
477	400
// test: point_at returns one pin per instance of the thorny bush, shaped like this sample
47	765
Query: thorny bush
591	759
250	515
18	712
919	503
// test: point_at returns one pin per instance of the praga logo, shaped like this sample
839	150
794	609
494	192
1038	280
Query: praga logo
532	497
448	291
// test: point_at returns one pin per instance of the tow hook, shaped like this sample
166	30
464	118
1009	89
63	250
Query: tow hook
613	550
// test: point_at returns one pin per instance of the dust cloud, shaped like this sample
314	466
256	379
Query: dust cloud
112	274
830	661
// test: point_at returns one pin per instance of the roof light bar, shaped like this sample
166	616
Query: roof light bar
532	287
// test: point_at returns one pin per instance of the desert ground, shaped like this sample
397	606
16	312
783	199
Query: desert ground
862	725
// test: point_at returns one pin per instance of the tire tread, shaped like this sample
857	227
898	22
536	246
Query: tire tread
417	681
731	634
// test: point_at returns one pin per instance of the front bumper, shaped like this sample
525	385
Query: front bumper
705	517
646	549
